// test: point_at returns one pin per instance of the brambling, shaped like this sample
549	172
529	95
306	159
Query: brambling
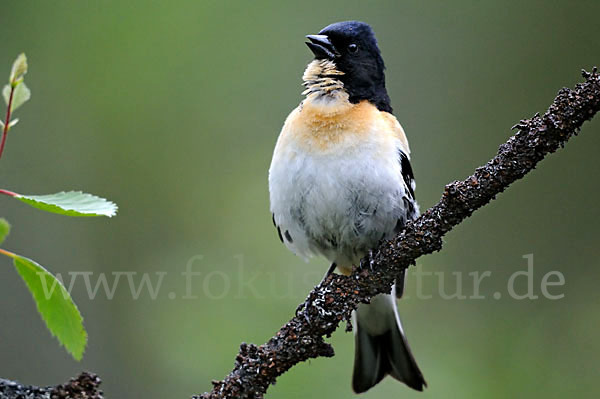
341	181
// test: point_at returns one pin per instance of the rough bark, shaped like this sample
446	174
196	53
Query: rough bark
332	301
85	386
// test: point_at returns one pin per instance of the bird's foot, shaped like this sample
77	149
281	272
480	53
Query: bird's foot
367	263
304	309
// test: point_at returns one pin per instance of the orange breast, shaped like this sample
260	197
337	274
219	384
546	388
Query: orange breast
323	127
317	127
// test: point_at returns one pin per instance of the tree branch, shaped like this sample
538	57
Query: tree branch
85	386
257	367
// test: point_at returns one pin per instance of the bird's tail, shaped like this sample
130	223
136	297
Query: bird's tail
381	347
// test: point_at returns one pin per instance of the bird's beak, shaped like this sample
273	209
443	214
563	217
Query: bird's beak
322	47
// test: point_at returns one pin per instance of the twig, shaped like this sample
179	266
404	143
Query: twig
7	120
257	367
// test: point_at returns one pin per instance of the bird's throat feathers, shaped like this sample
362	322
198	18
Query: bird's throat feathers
323	85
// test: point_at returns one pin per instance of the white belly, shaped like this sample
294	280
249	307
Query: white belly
338	203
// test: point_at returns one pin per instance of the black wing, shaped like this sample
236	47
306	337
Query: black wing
410	205
407	174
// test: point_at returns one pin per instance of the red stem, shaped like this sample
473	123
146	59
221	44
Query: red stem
6	192
7	120
7	253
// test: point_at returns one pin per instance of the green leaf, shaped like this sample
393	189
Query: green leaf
6	93
19	69
55	305
4	229
20	96
72	203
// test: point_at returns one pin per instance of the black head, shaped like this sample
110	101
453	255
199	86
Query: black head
352	46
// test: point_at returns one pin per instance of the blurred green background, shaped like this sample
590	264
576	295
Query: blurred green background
172	109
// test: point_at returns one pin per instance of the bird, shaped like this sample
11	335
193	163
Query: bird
340	181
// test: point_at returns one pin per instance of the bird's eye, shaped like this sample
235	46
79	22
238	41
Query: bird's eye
353	48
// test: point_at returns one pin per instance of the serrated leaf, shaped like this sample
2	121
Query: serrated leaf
4	229
55	305
72	203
